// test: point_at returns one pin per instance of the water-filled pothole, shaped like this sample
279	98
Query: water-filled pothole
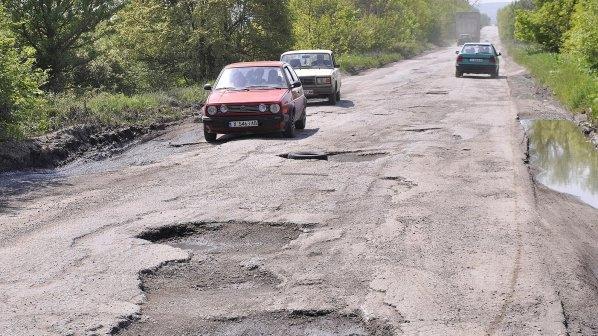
566	161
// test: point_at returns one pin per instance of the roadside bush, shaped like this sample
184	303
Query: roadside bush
574	85
115	109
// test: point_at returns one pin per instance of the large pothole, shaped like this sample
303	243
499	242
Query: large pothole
346	156
269	324
225	289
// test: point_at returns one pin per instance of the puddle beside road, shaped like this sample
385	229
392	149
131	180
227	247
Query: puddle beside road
566	160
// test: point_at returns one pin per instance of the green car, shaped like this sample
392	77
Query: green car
478	58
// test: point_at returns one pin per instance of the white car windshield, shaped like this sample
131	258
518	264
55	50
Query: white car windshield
309	61
251	78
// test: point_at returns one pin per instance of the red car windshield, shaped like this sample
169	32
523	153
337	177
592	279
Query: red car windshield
251	78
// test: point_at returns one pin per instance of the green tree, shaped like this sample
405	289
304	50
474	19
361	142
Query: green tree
186	41
364	26
19	81
326	24
59	30
582	39
546	25
507	16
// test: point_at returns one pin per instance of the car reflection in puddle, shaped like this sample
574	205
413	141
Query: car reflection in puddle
566	160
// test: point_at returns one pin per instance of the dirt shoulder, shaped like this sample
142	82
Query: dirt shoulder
566	227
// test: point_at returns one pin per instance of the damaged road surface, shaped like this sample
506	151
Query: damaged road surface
426	221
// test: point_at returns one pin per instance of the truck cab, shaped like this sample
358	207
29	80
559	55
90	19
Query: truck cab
318	71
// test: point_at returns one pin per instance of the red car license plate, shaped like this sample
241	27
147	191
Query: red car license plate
244	123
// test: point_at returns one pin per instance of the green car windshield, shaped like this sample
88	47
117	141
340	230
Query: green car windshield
478	49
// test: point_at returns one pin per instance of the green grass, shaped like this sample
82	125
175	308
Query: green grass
111	109
572	83
354	63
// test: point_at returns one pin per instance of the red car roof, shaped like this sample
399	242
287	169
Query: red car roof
255	64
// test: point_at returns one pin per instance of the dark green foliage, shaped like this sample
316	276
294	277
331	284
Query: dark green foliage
19	82
60	31
183	42
582	39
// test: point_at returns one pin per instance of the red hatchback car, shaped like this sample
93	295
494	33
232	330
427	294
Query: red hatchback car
255	97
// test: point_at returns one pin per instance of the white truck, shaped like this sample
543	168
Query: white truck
468	26
318	71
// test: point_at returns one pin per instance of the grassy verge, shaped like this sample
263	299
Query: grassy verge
109	109
354	63
572	83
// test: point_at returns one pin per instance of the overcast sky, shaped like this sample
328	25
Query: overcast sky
490	1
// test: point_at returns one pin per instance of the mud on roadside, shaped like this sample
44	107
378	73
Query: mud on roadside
55	149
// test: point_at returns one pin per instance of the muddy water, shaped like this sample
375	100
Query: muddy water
566	160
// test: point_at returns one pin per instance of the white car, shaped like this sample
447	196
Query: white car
318	71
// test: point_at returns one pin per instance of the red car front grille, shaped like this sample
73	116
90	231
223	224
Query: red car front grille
243	108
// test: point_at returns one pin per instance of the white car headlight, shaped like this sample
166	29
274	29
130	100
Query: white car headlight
223	109
323	80
263	108
274	108
212	110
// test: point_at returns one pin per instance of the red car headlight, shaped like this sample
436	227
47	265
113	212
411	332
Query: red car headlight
274	108
212	110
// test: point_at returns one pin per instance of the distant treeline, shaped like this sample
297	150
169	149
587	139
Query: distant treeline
138	46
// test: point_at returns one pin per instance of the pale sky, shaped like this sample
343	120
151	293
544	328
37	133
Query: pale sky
490	1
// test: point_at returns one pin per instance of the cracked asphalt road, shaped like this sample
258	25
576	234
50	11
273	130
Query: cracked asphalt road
438	233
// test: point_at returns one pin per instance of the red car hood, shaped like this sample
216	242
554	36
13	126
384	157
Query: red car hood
246	97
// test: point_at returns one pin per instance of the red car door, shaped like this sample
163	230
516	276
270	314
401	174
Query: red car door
299	100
